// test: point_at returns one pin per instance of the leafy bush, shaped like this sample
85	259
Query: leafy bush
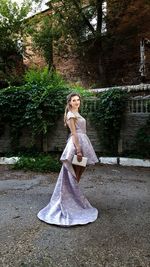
37	105
33	105
44	77
108	118
41	163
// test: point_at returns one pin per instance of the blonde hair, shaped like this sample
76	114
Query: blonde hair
67	108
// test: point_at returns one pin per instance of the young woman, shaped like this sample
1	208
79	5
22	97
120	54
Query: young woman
68	206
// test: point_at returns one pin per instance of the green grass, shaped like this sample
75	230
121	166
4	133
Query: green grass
41	163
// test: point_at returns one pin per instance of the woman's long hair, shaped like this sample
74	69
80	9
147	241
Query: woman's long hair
68	107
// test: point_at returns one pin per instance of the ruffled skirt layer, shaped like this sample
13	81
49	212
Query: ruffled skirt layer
87	149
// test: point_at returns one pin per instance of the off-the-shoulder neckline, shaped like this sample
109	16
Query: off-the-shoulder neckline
76	114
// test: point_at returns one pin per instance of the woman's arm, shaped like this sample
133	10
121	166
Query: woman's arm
72	127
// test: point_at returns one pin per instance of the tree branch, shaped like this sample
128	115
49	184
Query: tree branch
99	16
79	9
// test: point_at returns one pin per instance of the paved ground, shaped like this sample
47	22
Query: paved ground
120	237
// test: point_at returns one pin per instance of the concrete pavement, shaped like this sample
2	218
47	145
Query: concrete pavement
120	237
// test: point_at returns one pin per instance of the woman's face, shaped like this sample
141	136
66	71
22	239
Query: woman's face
75	102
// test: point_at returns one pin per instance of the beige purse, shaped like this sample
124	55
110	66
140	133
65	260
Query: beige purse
79	163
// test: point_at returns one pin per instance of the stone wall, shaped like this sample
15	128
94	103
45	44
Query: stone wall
56	140
137	113
131	124
5	142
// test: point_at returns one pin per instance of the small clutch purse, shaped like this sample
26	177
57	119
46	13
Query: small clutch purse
80	163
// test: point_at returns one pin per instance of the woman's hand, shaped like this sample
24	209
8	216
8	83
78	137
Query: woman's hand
79	156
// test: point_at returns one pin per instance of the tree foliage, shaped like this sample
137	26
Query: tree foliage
44	39
12	29
12	24
69	24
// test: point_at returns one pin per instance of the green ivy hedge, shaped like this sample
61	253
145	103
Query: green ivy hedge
108	118
36	105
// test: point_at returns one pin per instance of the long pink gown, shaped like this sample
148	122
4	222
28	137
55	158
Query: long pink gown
68	206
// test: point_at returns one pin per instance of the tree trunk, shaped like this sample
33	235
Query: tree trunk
101	65
101	62
50	61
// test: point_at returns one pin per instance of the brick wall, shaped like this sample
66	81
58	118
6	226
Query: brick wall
121	55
